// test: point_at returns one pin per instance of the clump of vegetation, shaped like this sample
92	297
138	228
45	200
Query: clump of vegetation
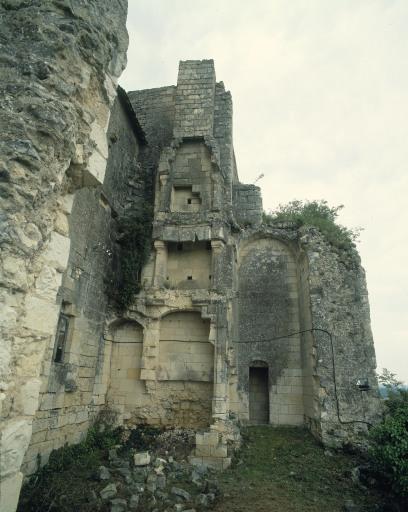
135	240
319	215
389	439
67	470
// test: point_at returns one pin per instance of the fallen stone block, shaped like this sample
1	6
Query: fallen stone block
142	459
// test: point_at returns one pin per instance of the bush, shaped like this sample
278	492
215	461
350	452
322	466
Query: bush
99	437
67	472
389	439
319	215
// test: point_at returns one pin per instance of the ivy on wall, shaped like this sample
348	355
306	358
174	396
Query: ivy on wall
134	240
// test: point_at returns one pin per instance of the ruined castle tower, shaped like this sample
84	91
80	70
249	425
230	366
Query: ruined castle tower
236	322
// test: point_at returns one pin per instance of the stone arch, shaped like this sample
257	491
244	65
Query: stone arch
267	283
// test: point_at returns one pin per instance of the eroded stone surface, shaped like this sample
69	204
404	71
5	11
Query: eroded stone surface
234	321
59	61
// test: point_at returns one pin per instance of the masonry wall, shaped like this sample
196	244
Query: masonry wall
339	305
182	391
155	109
73	390
58	76
267	313
247	202
189	265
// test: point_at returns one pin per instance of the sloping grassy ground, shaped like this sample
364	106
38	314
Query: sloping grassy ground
286	470
277	470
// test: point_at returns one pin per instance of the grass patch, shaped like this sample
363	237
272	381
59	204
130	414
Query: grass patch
285	469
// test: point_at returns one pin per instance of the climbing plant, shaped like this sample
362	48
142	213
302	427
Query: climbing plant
134	239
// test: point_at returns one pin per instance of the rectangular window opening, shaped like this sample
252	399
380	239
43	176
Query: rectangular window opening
60	338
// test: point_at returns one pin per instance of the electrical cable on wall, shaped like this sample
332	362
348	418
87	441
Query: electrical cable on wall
313	329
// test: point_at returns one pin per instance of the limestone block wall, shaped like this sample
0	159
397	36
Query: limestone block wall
192	168
189	265
223	135
180	393
125	386
195	97
196	107
185	352
267	308
59	66
74	387
155	111
68	399
247	202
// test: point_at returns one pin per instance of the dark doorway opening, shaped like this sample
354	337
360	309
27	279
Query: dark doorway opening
258	396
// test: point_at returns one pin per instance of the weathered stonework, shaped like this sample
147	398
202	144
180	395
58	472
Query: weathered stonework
236	322
288	312
59	66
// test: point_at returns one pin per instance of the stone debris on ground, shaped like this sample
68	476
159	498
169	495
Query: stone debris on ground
151	480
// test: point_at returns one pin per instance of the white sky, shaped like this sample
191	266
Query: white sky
320	92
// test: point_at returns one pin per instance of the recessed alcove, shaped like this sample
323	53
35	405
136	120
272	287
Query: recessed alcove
189	265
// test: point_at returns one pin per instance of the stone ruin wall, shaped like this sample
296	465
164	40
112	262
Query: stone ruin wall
183	353
59	66
337	297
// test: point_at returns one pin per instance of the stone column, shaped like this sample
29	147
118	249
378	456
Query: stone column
160	268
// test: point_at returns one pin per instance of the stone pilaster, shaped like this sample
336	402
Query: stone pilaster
160	269
150	351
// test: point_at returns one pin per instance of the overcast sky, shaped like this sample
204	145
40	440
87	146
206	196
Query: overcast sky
320	93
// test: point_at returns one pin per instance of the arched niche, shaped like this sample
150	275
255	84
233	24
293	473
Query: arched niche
268	290
185	353
126	355
267	320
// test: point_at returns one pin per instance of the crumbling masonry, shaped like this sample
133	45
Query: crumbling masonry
236	322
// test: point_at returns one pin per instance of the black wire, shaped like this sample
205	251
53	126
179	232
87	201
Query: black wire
313	329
